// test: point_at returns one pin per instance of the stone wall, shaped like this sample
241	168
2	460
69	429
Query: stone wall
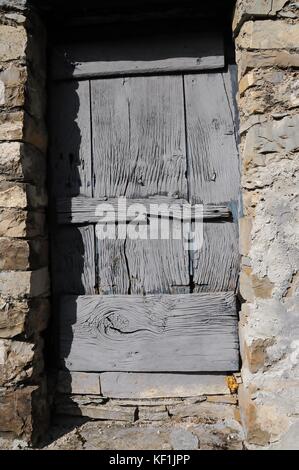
24	281
267	47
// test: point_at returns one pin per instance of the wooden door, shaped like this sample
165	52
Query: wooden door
154	123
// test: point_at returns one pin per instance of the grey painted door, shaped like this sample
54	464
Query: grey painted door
152	128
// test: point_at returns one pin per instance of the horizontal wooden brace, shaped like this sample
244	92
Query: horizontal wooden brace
80	210
168	53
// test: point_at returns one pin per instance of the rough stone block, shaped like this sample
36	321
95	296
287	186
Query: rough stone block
248	9
24	283
155	385
245	227
20	223
252	286
265	58
13	42
264	423
16	254
183	439
11	125
225	399
20	161
152	413
19	125
26	317
246	82
12	317
12	86
22	195
79	382
16	17
274	92
16	361
272	136
246	289
204	412
255	353
268	35
92	409
13	4
22	408
254	432
262	287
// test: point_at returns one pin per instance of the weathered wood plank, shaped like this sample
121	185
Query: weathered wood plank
191	332
78	383
213	159
70	143
144	266
80	210
213	176
158	266
139	137
155	385
139	151
112	269
150	54
73	260
216	265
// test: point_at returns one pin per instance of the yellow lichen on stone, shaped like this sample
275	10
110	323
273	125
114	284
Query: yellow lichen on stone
232	384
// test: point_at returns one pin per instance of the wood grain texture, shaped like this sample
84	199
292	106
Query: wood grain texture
143	266
213	161
152	54
158	266
83	210
154	385
216	265
139	137
139	151
73	260
112	270
70	143
191	332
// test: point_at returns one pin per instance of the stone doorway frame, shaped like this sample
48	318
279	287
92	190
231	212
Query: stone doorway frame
266	36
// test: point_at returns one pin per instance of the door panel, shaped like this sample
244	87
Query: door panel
145	305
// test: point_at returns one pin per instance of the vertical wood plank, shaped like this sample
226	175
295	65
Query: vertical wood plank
139	151
139	137
112	269
212	149
158	266
216	265
213	175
